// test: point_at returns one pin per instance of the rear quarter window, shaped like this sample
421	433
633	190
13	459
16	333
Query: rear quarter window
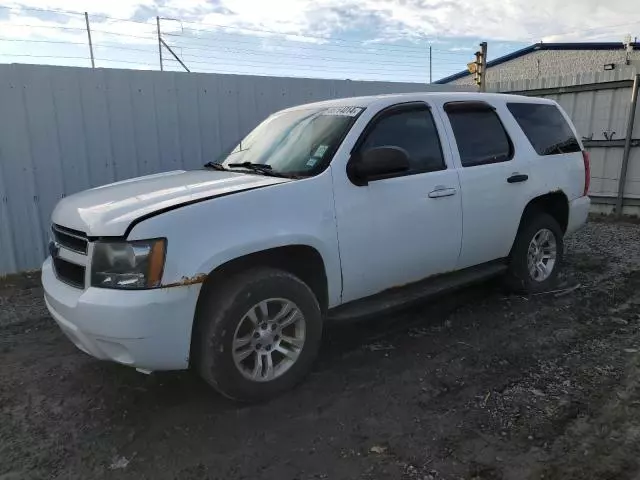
545	127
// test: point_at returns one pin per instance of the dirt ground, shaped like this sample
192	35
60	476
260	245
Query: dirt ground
476	385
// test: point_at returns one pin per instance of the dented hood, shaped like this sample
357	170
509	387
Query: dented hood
110	209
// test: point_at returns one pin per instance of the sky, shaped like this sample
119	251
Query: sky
355	39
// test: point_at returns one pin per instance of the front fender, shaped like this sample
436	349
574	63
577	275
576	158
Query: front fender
331	263
205	235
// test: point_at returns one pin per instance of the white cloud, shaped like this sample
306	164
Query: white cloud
113	8
279	28
515	20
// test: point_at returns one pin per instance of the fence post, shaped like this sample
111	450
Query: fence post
159	43
86	19
627	145
174	55
430	66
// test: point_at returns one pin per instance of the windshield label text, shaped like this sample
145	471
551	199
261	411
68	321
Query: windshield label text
343	111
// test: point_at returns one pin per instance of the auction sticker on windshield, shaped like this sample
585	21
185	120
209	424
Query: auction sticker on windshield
321	150
343	111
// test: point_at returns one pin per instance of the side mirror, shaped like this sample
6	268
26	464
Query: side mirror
377	162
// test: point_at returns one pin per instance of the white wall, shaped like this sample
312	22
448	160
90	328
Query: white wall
550	63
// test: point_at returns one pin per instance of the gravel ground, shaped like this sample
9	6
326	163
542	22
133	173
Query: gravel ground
476	385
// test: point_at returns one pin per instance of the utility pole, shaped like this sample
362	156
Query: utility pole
159	43
483	67
479	68
86	19
430	67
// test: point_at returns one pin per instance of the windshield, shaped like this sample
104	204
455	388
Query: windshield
299	142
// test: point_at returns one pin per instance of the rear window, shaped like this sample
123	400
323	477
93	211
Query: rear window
545	127
480	136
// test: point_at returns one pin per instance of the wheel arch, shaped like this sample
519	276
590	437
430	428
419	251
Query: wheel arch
303	261
553	203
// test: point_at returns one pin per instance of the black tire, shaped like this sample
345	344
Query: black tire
219	316
518	278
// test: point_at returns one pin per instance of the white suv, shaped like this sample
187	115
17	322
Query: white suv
327	210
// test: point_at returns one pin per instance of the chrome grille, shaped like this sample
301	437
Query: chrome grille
70	239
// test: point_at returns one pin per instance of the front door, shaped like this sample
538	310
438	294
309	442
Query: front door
404	228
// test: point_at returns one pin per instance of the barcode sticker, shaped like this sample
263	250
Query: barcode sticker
343	111
320	151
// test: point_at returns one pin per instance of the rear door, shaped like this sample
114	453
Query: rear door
494	178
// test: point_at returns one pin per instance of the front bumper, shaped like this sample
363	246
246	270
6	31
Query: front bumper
146	329
578	213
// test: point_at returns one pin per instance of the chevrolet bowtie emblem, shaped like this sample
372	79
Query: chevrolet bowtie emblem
54	249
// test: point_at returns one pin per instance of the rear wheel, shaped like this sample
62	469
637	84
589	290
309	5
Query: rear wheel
259	334
536	255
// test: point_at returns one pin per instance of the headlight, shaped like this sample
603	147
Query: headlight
128	265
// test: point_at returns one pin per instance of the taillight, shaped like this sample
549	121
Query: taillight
587	172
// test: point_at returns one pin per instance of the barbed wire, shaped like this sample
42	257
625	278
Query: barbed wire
218	48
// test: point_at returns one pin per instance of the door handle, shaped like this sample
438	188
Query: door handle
442	191
517	177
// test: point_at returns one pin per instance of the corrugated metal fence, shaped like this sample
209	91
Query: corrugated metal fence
598	103
63	130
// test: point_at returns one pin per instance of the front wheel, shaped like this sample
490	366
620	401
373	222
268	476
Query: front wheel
536	255
259	334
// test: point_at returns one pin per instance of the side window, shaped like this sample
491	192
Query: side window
414	131
480	136
545	127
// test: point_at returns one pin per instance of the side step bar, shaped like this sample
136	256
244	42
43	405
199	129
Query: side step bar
402	297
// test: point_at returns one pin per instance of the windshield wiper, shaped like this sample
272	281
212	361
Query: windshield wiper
258	167
215	166
261	168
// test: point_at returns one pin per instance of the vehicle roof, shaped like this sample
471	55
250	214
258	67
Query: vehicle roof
389	99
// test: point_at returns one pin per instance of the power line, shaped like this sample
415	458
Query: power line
383	66
83	29
44	10
212	70
258	63
274	32
41	56
71	12
295	55
304	46
127	48
381	48
275	65
51	27
318	48
226	27
151	36
289	75
62	42
99	45
225	49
